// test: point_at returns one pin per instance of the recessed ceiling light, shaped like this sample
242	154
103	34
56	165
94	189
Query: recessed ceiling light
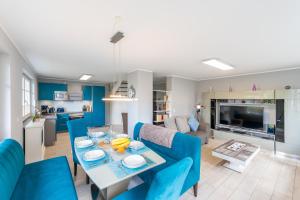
85	77
217	64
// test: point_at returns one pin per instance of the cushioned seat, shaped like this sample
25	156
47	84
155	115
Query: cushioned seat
49	179
76	128
183	145
166	184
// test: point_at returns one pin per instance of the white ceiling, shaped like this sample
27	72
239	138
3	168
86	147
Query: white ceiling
67	38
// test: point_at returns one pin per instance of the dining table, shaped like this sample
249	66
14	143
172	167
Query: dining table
109	172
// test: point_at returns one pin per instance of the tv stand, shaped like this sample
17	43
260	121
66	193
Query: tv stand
248	132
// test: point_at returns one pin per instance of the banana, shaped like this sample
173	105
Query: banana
119	141
125	144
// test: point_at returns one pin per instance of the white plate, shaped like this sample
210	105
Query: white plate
136	145
96	134
84	143
122	136
93	155
134	161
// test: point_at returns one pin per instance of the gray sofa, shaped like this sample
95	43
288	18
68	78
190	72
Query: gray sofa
180	123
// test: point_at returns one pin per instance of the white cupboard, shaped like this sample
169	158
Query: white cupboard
34	141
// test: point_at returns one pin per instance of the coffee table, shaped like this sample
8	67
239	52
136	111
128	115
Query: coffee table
237	154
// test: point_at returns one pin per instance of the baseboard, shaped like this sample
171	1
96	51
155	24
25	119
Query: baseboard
286	155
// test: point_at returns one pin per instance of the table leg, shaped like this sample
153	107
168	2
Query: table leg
94	191
275	145
103	194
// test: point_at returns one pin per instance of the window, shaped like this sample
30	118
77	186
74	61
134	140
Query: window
26	93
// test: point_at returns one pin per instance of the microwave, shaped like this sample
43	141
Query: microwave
61	96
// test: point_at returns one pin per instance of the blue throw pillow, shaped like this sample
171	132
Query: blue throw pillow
193	122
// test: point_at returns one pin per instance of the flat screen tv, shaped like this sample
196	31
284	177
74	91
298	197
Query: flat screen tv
242	116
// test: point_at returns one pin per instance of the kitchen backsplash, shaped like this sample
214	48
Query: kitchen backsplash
69	106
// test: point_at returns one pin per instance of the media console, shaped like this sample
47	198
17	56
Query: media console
284	117
249	132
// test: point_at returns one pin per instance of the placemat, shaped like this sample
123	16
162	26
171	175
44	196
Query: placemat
92	164
121	171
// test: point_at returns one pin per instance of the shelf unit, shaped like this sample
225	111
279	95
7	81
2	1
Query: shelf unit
160	106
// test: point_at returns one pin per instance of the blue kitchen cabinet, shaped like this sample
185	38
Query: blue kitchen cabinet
46	90
88	117
61	122
98	116
87	92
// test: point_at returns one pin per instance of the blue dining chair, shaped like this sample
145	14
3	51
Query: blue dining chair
167	184
77	128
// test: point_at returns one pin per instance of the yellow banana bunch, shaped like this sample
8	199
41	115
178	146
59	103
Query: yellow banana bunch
120	143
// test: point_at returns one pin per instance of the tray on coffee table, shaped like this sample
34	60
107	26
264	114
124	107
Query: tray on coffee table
238	154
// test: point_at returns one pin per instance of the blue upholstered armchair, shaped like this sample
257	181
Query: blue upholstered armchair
77	128
183	146
166	184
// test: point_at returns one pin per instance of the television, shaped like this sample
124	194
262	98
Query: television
242	116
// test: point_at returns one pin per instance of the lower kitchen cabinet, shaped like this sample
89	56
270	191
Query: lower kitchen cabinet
61	122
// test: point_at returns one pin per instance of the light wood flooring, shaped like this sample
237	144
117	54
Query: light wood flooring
267	177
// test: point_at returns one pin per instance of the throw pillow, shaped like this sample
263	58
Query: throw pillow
182	124
193	122
170	123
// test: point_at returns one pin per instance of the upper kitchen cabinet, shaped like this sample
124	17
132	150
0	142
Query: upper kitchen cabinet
98	105
87	92
46	90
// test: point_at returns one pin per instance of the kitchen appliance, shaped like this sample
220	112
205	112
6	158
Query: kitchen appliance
60	110
60	96
51	110
75	96
44	109
75	91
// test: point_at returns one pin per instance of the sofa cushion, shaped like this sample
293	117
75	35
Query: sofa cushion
170	123
47	179
193	122
182	124
11	166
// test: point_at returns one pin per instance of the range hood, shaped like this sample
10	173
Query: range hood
75	91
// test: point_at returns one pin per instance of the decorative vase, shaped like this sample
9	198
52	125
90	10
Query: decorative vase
254	87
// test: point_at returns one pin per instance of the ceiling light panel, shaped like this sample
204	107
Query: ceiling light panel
217	64
85	77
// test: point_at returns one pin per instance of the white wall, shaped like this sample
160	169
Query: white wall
116	109
182	95
274	80
142	109
5	118
17	67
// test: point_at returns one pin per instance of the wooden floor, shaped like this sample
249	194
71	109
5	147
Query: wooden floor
267	177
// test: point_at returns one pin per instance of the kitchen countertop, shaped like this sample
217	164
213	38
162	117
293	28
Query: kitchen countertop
53	115
39	123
